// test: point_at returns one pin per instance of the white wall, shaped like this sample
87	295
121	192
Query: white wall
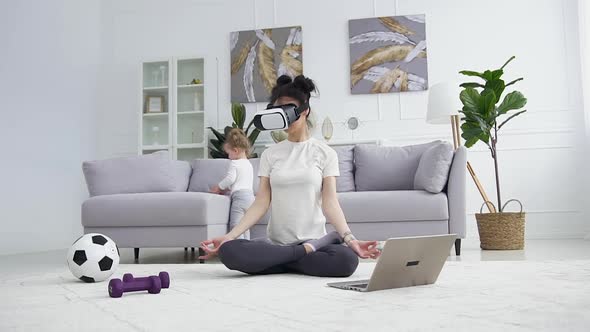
539	152
584	24
48	65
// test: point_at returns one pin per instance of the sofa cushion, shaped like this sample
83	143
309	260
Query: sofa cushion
182	174
387	167
155	209
209	172
401	205
433	169
138	174
345	182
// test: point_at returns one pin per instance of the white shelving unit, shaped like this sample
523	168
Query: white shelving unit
181	128
155	129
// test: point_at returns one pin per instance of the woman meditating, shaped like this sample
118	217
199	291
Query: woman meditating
297	180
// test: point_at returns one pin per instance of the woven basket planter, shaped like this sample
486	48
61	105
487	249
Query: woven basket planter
501	230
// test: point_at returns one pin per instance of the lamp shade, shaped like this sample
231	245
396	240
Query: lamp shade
443	101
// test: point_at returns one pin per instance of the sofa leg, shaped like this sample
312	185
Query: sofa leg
201	253
136	254
458	247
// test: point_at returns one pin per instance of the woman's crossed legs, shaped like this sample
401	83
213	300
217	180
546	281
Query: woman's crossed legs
260	257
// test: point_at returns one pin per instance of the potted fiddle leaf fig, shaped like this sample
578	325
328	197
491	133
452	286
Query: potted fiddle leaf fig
486	111
238	113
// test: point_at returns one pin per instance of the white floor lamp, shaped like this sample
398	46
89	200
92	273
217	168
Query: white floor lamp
443	108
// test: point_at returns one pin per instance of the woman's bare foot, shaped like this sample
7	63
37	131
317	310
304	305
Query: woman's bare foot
308	248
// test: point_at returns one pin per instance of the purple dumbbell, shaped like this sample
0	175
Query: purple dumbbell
153	284
164	278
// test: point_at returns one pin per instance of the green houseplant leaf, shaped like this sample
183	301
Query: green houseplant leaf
472	85
471	73
469	97
486	105
514	100
514	81
238	112
218	155
220	136
497	86
216	144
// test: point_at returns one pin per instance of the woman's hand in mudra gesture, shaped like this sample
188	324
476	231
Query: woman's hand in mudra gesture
216	242
365	249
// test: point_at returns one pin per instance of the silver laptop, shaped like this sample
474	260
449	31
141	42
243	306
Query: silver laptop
404	262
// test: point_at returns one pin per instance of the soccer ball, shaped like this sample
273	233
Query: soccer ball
93	257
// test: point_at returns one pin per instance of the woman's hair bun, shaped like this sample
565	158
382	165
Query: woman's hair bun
304	83
284	79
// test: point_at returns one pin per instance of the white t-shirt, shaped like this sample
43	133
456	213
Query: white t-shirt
240	176
296	171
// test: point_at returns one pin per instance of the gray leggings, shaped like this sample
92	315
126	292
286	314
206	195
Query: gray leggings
261	257
240	202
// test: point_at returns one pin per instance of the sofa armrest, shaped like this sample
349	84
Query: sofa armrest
456	193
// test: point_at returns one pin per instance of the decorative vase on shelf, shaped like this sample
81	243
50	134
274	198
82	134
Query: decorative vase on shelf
163	75
197	102
156	135
327	129
155	78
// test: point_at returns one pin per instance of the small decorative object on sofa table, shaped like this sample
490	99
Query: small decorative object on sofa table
481	112
327	129
278	135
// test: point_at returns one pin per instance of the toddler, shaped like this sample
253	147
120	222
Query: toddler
239	178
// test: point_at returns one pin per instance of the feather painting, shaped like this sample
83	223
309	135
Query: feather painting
264	36
393	25
388	54
249	74
418	50
259	56
386	81
381	55
415	82
266	66
239	60
417	18
290	64
233	40
381	36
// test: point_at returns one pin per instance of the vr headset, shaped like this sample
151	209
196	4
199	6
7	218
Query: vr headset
278	117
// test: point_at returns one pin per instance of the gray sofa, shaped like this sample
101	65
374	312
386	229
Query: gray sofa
152	201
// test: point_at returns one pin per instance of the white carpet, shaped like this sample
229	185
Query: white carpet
474	296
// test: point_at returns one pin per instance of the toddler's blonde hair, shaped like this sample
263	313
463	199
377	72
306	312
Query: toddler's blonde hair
236	138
